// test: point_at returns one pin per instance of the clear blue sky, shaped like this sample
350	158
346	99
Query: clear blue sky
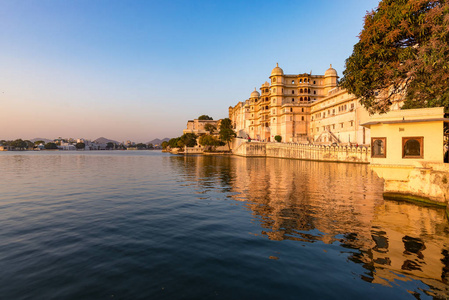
140	69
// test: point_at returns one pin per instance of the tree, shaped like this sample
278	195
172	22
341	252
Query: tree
36	143
150	146
210	128
188	139
205	117
173	143
110	145
209	142
403	52
19	144
80	146
164	144
226	132
30	144
51	145
141	146
278	138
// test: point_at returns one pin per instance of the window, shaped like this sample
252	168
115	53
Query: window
300	81
274	79
333	126
302	109
293	82
341	125
293	92
293	99
317	129
379	147
291	109
274	90
314	82
412	147
302	118
314	92
352	123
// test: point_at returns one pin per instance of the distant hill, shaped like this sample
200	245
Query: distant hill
41	139
103	140
158	141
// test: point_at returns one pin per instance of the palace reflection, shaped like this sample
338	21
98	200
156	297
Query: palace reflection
333	203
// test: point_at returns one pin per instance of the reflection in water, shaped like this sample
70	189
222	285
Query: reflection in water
338	204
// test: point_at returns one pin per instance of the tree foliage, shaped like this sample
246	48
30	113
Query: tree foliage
278	138
173	143
164	144
226	132
19	144
210	128
209	142
51	145
189	139
205	117
141	146
110	145
80	146
403	52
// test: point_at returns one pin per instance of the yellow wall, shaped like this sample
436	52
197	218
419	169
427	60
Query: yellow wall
432	142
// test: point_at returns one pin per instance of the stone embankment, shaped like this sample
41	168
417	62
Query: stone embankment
345	154
428	184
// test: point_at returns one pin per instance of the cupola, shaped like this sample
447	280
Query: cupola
277	71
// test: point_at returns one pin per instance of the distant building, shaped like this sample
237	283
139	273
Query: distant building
302	108
197	126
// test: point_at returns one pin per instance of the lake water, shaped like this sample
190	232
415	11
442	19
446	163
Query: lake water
149	225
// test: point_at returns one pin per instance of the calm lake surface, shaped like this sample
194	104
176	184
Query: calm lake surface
149	225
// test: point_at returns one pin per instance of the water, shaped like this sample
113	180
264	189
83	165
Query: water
149	225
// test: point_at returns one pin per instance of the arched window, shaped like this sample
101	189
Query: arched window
274	79
412	147
293	92
293	99
314	92
378	147
302	109
308	91
302	118
300	99
314	82
300	81
300	90
293	82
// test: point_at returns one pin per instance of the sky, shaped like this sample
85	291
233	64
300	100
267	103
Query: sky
139	70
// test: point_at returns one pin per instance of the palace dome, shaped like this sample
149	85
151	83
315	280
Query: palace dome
255	94
330	72
277	71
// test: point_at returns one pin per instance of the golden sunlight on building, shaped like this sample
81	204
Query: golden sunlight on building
302	108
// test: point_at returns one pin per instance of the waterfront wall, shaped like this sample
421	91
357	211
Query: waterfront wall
428	184
303	151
